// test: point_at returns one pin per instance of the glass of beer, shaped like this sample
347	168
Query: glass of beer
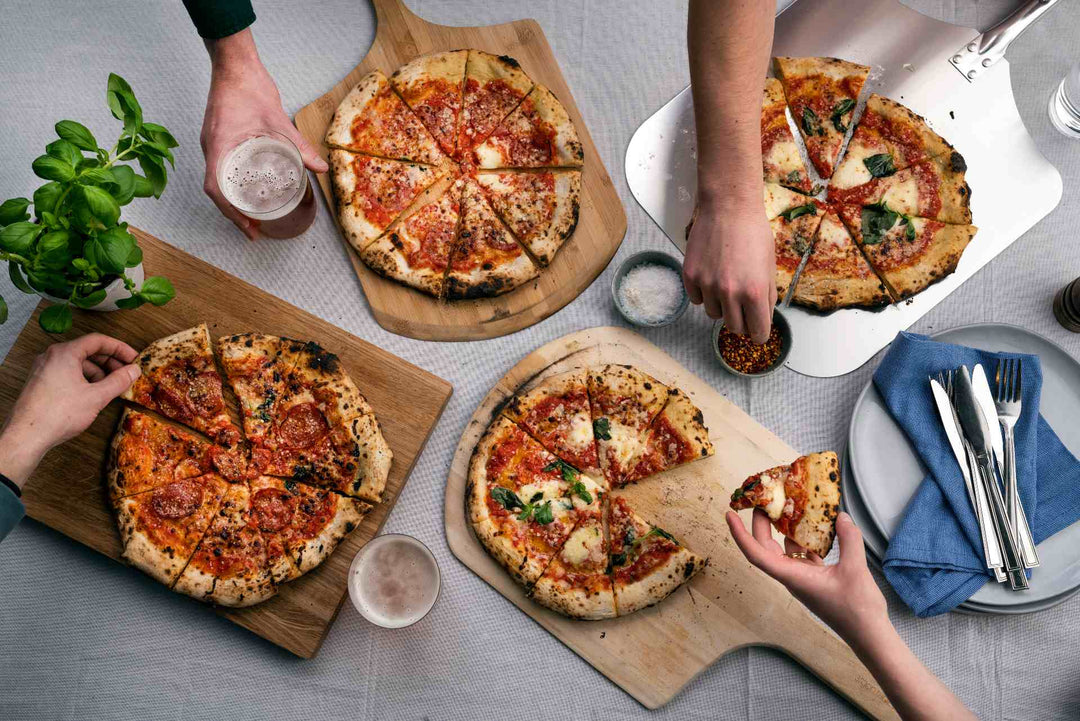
394	580
262	175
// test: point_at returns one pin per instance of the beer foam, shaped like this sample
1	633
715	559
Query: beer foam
394	581
262	177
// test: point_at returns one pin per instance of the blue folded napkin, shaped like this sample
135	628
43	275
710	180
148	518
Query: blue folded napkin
935	559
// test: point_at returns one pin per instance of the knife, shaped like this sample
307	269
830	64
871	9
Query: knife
977	431
991	548
1018	520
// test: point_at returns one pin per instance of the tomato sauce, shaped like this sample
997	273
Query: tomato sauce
381	193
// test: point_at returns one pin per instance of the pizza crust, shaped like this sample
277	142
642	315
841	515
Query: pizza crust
782	163
309	553
837	275
522	208
374	460
483	68
429	75
540	115
817	528
682	566
191	342
585	556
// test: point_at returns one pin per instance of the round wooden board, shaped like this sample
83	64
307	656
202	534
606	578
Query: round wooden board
652	654
401	37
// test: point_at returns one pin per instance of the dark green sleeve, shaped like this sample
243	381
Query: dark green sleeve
216	19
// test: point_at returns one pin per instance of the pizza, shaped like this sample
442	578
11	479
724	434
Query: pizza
934	189
908	253
802	500
180	380
779	199
458	176
793	234
822	94
782	163
228	524
374	120
836	275
537	494
539	207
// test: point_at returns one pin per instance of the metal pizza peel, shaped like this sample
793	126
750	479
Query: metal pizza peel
955	77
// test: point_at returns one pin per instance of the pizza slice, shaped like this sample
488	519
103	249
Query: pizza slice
486	260
371	193
537	134
836	274
780	156
273	509
888	138
576	582
160	528
372	119
647	563
147	453
677	436
908	253
802	499
229	567
540	208
779	199
556	413
432	86
793	233
822	93
179	380
934	188
416	251
624	401
256	366
494	85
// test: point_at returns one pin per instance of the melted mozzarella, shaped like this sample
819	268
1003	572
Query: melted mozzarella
487	156
852	171
581	432
624	441
783	156
775	487
904	197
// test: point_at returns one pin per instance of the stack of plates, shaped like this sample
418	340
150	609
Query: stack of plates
882	471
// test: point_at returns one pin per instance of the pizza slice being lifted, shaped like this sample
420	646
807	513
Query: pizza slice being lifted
432	86
802	499
540	207
624	402
836	274
538	134
780	156
934	188
822	93
677	436
793	234
494	85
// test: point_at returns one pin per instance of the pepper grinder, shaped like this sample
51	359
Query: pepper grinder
1067	306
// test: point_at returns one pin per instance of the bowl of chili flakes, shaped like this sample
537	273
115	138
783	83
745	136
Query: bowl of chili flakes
742	357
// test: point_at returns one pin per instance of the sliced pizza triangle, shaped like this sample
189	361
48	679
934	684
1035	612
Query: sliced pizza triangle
934	188
836	274
647	563
371	193
624	401
908	253
540	207
802	500
888	138
822	94
372	119
147	453
779	199
180	380
432	86
793	234
780	156
256	366
486	259
576	583
677	436
494	86
537	134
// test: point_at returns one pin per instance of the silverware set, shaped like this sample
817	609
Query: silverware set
979	424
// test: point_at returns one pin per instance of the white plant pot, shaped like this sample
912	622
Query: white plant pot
113	291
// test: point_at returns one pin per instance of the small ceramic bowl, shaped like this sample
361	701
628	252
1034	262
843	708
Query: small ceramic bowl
781	324
644	257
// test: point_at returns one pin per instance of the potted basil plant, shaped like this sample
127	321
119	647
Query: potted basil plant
75	250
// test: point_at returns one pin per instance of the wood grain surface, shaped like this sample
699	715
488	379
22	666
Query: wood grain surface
401	37
67	492
652	654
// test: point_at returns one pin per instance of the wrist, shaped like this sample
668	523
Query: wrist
233	54
21	450
731	196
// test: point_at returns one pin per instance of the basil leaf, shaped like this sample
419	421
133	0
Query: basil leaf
55	319
503	496
629	536
134	258
159	135
123	184
880	165
617	559
154	170
77	134
838	112
543	514
538	496
909	233
19	237
657	531
53	250
123	104
98	176
794	177
579	490
63	150
15	273
50	168
799	210
89	301
130	303
876	221
156	149
602	429
811	123
46	196
101	205
116	244
143	187
13	210
3	310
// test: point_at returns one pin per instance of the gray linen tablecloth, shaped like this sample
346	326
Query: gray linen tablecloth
82	637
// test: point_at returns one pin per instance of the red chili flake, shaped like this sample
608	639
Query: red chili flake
744	355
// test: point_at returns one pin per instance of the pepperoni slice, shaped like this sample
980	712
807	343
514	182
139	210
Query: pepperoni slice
204	392
304	424
229	463
273	509
177	499
171	402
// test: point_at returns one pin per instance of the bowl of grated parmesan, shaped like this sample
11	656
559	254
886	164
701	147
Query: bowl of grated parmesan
648	289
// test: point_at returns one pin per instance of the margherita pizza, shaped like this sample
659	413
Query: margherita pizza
624	403
934	189
577	582
676	436
779	154
793	233
837	275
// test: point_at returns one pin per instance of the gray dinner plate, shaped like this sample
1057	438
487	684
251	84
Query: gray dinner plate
885	471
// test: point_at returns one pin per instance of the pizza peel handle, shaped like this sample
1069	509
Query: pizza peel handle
989	47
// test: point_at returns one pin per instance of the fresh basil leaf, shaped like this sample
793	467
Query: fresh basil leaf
13	210
123	104
794	177
116	244
159	135
77	134
154	170
503	496
124	184
629	536
157	290
657	531
50	168
85	220
89	301
102	205
618	559
602	429
134	258
909	232
85	162
538	496
798	211
55	319
880	165
579	490
156	149
811	123
839	110
3	310
876	221
19	237
543	514
63	150
81	264
53	252
49	281
97	176
15	273
143	187
46	196
130	303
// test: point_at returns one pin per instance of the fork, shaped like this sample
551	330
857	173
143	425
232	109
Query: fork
1009	380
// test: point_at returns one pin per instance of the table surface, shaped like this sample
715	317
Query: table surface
83	637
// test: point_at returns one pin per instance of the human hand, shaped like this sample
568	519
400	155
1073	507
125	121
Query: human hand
731	266
843	595
68	386
243	98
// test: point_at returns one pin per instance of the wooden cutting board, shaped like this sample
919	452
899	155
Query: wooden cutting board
67	492
652	654
401	37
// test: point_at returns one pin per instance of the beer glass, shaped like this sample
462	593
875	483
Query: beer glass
262	175
1065	104
394	580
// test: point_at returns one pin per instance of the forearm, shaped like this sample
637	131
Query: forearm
232	53
729	43
21	449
